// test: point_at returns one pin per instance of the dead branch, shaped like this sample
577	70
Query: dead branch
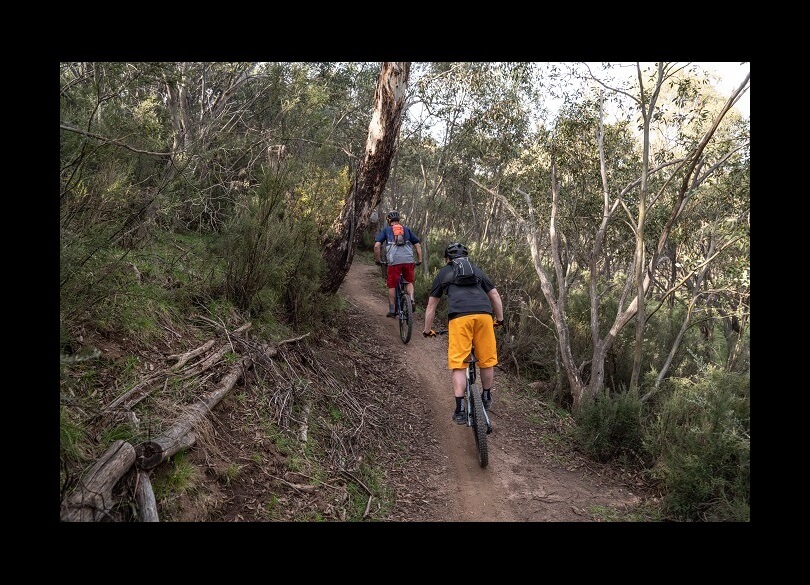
293	340
183	358
181	435
92	501
137	391
353	478
303	488
302	436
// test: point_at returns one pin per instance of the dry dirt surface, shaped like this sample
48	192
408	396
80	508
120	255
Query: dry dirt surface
430	467
530	477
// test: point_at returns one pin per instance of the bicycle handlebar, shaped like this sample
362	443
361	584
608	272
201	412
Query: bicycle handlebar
381	262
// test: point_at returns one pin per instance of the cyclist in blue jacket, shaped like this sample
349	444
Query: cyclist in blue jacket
400	244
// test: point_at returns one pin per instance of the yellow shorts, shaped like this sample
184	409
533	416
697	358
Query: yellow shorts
469	330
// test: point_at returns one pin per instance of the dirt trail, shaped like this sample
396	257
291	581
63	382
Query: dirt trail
526	479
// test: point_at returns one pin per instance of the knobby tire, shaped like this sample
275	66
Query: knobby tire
479	426
405	318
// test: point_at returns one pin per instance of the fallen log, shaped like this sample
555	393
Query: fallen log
145	498
181	434
93	499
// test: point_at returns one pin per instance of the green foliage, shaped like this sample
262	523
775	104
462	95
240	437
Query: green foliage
226	224
123	432
273	259
643	513
230	473
372	481
702	442
284	444
176	478
610	425
271	507
71	437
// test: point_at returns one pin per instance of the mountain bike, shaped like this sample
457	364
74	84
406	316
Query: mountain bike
476	415
402	306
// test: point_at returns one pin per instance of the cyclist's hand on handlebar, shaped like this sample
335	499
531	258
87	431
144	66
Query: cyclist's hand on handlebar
378	262
497	323
417	263
430	333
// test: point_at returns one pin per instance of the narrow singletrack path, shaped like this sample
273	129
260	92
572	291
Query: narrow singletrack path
527	479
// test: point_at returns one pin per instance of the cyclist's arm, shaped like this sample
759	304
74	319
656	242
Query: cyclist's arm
377	247
418	248
430	313
495	301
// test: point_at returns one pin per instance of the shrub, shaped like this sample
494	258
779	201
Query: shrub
609	425
702	442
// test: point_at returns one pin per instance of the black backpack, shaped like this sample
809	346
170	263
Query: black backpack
463	273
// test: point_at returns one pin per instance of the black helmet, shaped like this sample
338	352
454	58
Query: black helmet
455	250
392	215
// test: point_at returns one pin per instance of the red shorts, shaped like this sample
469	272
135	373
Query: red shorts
394	271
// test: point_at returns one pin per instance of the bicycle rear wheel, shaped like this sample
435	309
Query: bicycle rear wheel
479	425
405	318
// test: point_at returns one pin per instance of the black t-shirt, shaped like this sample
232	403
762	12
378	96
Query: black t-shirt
462	300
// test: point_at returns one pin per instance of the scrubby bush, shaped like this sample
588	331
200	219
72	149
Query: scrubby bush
609	425
701	441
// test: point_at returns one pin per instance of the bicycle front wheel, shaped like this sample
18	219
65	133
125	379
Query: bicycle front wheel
479	426
405	318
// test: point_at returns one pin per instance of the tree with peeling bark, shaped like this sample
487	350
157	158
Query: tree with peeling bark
687	173
372	175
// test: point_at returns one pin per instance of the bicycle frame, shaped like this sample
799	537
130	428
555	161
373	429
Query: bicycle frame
472	375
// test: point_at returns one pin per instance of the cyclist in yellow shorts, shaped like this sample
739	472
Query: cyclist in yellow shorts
474	309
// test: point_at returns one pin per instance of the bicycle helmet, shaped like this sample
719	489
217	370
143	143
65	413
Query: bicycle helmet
392	216
455	250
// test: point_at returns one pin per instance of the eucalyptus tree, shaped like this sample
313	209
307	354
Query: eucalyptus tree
190	146
464	119
112	151
680	183
372	174
431	144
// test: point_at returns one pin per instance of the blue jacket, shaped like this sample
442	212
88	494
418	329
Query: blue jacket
397	254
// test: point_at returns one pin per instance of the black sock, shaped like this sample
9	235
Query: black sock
390	308
485	395
458	403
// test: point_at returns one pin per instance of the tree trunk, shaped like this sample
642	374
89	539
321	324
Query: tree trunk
365	194
641	224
